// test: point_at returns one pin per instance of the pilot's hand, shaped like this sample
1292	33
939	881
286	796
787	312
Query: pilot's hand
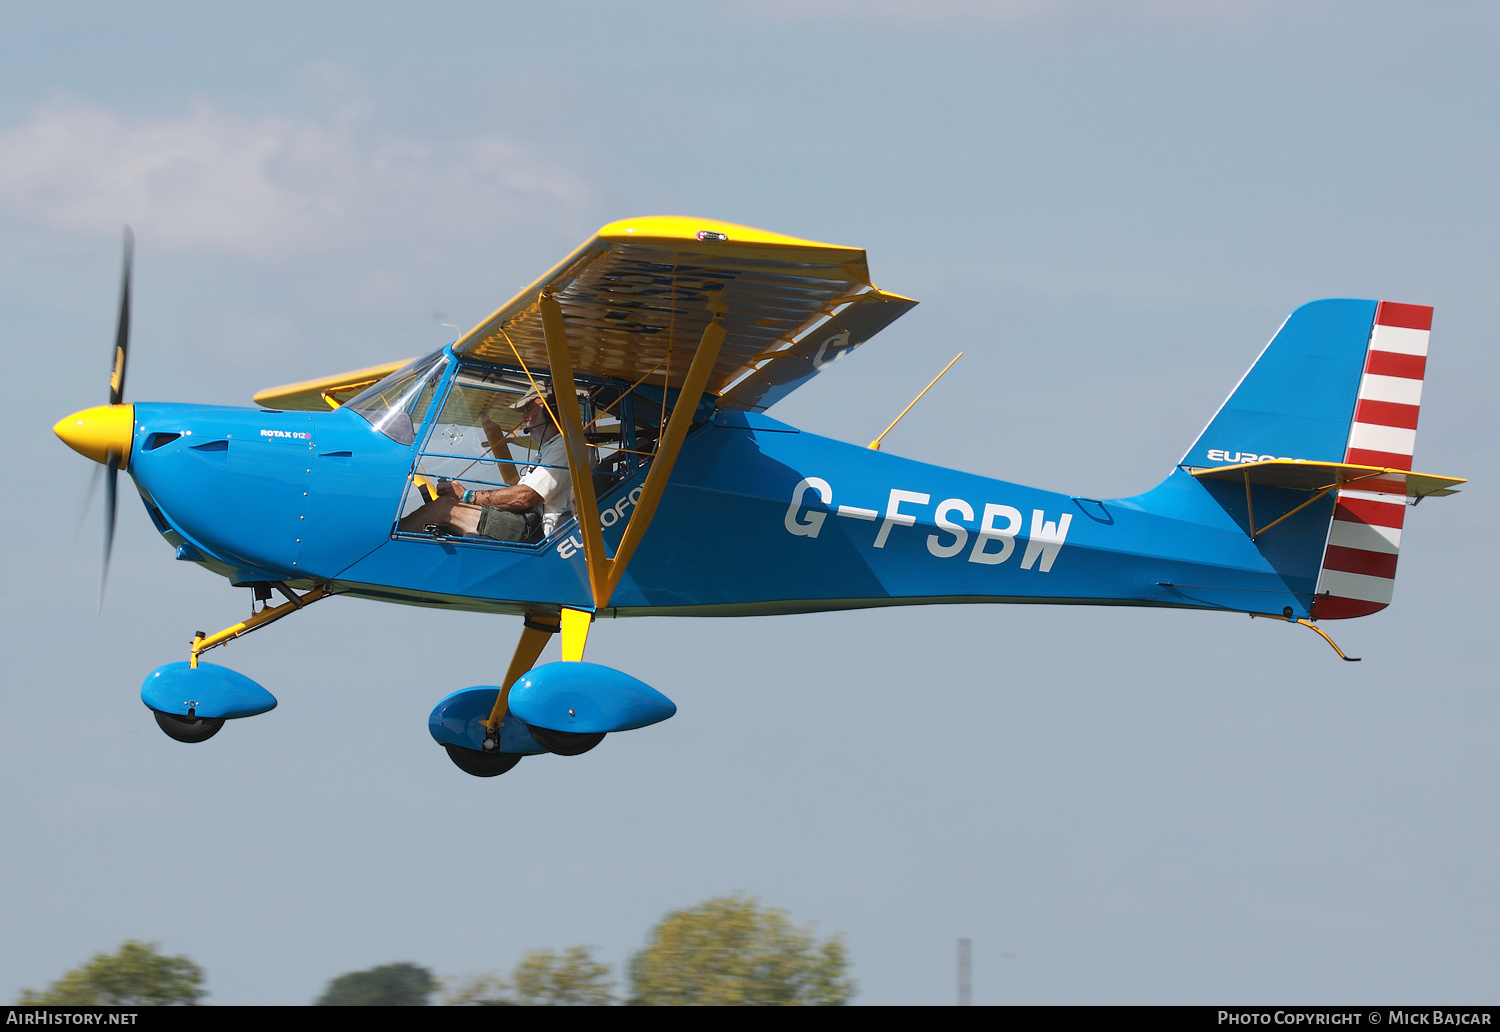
454	488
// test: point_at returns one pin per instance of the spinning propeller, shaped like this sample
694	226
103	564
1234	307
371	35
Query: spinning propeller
104	433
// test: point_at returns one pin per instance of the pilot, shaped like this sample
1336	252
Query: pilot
531	508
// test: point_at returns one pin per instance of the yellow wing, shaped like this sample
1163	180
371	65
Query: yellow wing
328	392
637	297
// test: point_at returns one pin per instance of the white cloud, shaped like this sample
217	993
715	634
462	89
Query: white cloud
213	181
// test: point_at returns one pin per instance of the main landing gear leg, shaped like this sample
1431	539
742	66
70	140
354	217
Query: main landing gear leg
537	632
535	635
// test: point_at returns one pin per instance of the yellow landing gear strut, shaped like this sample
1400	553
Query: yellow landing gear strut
270	614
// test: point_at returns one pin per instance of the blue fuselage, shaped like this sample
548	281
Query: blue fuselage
757	518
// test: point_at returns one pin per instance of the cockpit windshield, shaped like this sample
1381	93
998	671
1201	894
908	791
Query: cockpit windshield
394	404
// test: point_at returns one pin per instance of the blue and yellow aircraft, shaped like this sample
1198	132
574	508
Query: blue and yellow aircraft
651	354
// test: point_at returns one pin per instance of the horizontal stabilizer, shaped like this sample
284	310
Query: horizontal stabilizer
1303	475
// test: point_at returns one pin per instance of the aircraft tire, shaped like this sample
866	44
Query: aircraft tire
565	743
188	729
481	764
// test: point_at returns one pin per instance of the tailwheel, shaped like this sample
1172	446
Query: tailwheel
188	729
565	743
481	764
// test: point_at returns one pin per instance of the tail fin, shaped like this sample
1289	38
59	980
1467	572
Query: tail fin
1340	382
1297	400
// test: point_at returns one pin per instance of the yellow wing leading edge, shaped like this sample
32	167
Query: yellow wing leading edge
637	297
326	392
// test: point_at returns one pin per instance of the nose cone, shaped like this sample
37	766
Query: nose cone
98	431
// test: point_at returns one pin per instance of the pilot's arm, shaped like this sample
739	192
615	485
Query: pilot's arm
547	488
519	498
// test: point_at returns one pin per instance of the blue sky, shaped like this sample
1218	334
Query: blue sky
1108	207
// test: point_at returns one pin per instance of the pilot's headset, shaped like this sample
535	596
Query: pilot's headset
532	394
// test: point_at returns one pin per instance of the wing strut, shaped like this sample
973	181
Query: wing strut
565	394
605	572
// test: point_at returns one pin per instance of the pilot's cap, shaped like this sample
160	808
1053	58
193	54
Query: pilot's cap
545	393
532	394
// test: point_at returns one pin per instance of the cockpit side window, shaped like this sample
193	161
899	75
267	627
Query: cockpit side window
478	441
395	404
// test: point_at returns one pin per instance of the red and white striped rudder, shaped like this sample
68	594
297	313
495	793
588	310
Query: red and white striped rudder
1359	563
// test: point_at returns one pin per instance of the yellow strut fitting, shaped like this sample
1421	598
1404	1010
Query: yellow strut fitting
537	632
575	632
269	614
875	444
1287	617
